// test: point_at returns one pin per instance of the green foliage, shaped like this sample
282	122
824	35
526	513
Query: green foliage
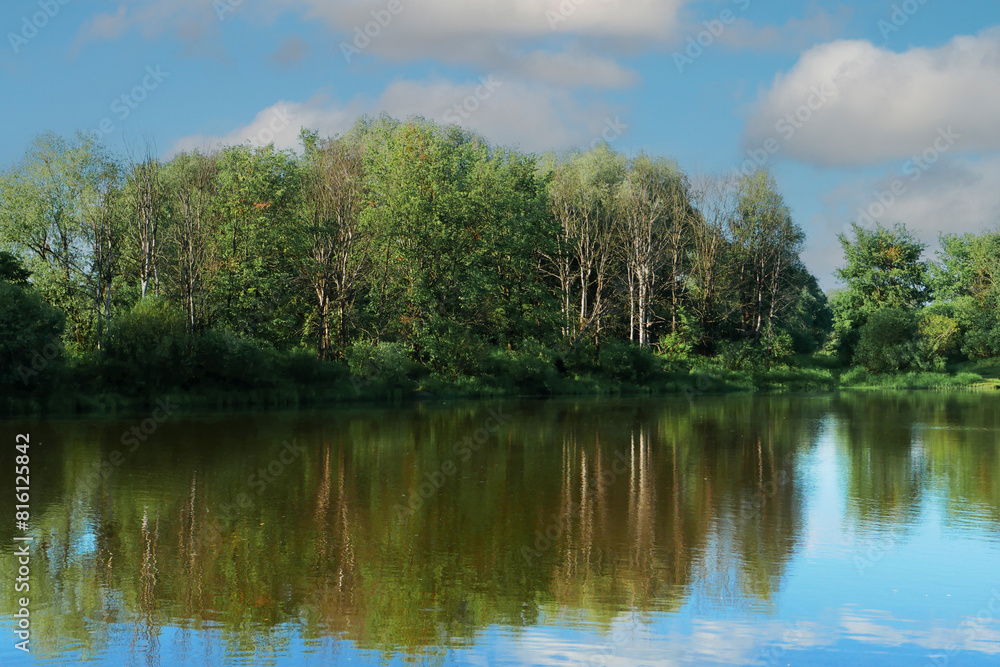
148	347
675	347
680	345
778	344
628	362
884	271
258	190
886	341
966	275
29	340
742	355
385	360
222	358
12	270
937	338
809	321
860	378
532	367
480	270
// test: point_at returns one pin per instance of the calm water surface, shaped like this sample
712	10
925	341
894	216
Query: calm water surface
859	529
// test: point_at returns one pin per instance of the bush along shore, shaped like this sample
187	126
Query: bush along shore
406	259
241	377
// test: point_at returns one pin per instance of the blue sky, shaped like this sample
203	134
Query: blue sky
837	98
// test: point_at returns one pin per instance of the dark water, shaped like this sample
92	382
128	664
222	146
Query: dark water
860	529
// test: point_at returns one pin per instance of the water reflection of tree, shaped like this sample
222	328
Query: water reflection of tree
886	480
707	507
901	446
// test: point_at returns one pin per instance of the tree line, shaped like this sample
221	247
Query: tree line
419	250
901	311
402	239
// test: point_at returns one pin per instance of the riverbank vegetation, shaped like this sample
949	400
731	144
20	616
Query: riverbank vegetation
406	258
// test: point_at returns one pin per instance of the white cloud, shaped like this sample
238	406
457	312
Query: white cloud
552	41
534	117
795	35
953	196
424	24
190	21
888	105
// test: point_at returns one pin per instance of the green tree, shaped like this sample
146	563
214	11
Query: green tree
12	270
458	231
333	242
886	341
582	189
967	277
190	183
884	269
653	218
257	192
765	247
47	202
29	335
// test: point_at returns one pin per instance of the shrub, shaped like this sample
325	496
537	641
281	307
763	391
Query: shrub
148	346
223	358
674	347
982	329
29	337
627	362
382	360
680	345
778	345
887	341
937	338
301	367
741	355
532	368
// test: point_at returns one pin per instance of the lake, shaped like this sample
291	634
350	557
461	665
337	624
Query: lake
860	528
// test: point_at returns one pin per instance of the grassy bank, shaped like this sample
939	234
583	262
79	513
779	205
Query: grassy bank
84	386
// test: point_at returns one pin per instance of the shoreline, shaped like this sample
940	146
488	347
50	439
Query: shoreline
352	391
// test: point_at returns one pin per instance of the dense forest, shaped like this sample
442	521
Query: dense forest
409	257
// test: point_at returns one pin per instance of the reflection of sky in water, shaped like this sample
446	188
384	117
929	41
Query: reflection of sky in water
844	635
854	592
